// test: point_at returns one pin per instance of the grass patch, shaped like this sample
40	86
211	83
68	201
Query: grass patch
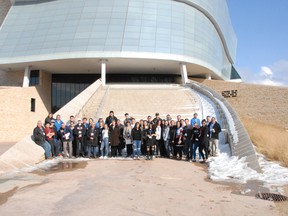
271	140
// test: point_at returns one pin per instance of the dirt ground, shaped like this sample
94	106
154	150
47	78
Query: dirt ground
125	187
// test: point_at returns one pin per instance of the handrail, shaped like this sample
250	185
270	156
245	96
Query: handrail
240	143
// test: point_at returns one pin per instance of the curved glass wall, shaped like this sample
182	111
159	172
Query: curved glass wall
163	29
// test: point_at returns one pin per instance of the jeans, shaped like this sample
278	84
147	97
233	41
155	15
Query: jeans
105	143
167	147
93	149
54	147
80	151
195	147
47	148
137	147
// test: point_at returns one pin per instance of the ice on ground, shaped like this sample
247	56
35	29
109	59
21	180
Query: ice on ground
233	169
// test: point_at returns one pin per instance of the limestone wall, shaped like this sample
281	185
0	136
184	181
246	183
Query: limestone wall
17	119
11	78
264	103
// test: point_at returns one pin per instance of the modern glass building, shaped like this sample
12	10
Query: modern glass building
147	36
119	39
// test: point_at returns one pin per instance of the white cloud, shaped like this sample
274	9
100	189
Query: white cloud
275	75
266	72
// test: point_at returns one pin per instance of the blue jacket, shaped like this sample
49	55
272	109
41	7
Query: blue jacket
193	120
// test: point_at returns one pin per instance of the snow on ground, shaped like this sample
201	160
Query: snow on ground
233	169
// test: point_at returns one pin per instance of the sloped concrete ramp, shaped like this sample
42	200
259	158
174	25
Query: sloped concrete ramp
23	154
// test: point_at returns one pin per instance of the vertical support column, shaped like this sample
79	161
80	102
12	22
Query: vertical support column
208	76
184	75
26	78
103	72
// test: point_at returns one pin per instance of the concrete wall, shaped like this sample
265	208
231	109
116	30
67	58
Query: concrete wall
23	154
15	109
264	103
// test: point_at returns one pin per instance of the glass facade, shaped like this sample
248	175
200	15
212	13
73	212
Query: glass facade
67	86
34	78
158	29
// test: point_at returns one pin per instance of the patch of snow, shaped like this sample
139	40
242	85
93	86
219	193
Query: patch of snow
233	169
230	122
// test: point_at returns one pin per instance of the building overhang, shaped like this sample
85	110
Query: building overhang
128	63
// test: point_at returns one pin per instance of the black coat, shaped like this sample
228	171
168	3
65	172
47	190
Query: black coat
217	128
204	139
109	120
92	136
136	134
39	135
79	131
172	133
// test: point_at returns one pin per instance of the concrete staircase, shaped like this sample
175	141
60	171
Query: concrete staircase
142	100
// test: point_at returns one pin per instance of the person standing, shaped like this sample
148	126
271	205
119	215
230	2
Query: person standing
58	122
150	143
50	138
86	125
127	118
110	118
204	141
71	119
114	138
48	118
172	135
121	145
100	129
144	129
215	129
156	119
179	140
158	137
105	142
187	139
127	135
136	137
39	137
66	136
166	137
79	132
195	119
92	140
196	133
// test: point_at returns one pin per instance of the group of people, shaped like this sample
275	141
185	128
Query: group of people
152	137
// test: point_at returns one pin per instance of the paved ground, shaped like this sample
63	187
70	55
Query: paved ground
113	187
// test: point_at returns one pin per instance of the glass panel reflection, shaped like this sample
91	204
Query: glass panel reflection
67	86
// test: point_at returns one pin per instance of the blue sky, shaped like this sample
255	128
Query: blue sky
261	27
